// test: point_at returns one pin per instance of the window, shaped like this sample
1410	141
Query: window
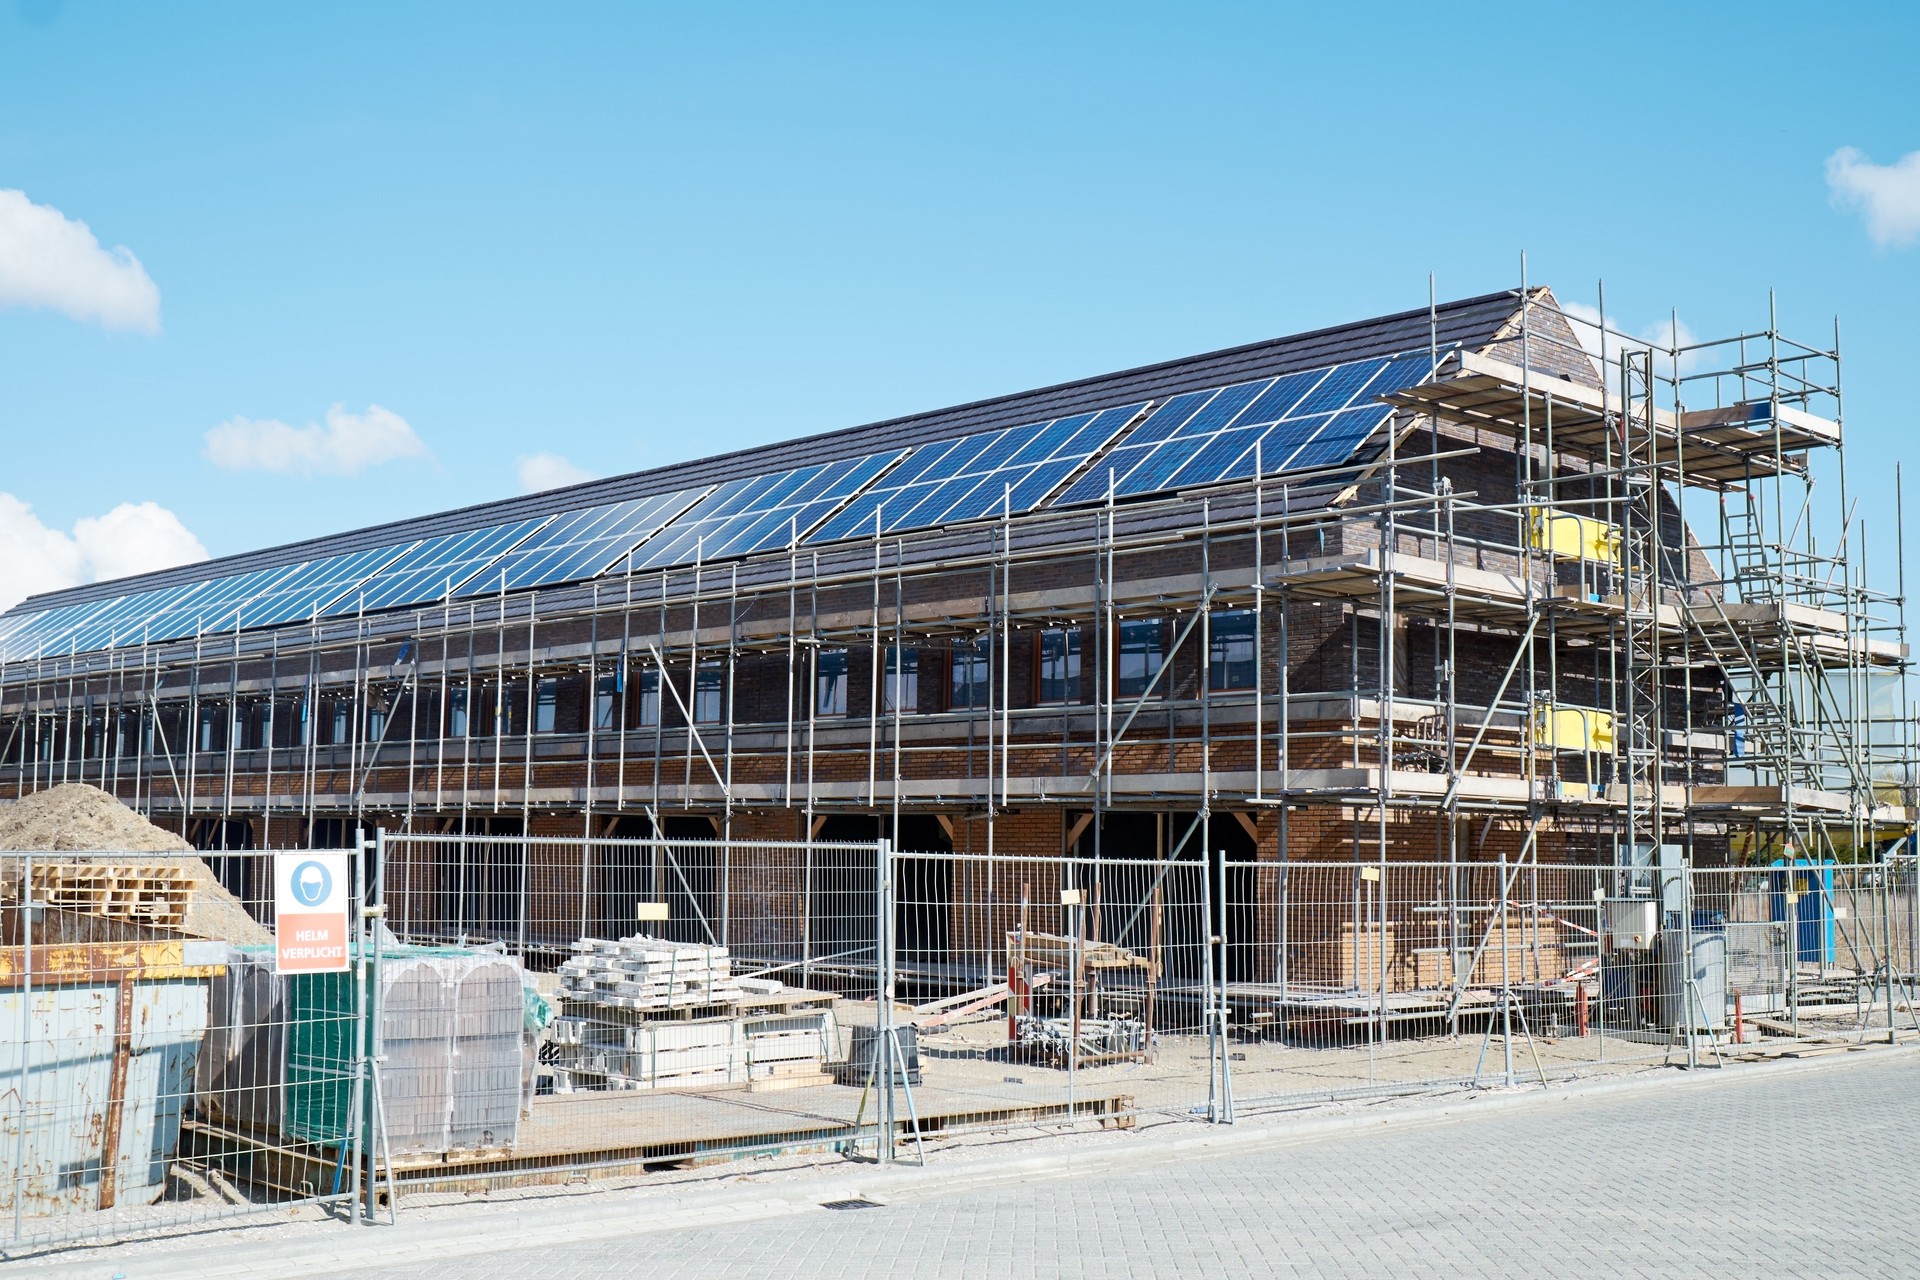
902	689
709	693
339	721
967	685
1058	659
1140	653
376	723
1230	650
606	701
546	704
830	683
649	698
457	713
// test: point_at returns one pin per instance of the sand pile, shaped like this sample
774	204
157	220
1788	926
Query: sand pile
76	818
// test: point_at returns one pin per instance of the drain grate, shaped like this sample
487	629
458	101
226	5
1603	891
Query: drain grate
850	1204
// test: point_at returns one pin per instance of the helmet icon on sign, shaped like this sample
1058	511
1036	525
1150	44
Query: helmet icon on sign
311	884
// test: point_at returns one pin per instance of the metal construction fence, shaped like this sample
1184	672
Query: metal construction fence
525	1010
154	1073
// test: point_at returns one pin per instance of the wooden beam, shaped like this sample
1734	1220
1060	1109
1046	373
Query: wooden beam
1079	827
1249	824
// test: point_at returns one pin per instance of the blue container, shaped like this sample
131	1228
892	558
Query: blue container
1812	880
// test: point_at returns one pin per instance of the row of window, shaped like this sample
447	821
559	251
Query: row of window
1140	651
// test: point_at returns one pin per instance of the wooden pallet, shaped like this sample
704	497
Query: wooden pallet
145	894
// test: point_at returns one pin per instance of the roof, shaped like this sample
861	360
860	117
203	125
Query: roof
1471	322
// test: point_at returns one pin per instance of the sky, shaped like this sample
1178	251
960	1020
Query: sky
271	271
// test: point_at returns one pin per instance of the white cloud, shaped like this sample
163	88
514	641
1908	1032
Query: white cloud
537	471
1661	337
134	537
1888	195
48	260
346	444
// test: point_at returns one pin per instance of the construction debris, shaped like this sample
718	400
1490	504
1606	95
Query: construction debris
1051	1040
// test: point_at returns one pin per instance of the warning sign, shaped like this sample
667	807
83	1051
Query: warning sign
310	912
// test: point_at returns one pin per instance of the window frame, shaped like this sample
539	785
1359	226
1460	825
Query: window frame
1120	678
710	682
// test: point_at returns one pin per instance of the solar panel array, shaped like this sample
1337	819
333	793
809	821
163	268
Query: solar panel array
584	544
1297	421
438	568
762	512
953	480
1290	423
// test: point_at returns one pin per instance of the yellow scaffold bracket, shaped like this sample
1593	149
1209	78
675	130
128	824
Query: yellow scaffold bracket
1566	536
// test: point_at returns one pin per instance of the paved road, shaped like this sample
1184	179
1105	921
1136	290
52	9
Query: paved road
1814	1173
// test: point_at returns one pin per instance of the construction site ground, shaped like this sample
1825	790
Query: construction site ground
1601	1176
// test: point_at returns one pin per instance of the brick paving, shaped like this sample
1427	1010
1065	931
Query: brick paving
1803	1174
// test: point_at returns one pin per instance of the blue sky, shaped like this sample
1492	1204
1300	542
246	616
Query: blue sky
631	234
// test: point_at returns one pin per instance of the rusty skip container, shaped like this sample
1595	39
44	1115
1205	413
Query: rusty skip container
100	1027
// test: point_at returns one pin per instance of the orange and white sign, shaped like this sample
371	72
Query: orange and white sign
310	892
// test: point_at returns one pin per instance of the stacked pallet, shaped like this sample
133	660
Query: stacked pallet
143	894
785	1043
644	974
645	1013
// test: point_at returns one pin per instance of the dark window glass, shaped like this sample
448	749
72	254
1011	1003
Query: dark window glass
649	697
972	668
1059	659
606	709
1141	650
830	683
902	689
546	705
1230	650
709	689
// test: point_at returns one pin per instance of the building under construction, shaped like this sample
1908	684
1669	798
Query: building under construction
1477	583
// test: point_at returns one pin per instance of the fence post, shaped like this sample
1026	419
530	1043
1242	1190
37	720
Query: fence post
1885	872
1226	942
376	911
357	979
26	1045
1209	1010
884	1051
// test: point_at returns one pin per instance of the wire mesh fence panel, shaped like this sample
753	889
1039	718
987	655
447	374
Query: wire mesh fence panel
156	1072
1351	978
685	996
1040	987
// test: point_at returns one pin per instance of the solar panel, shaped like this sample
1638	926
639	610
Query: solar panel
581	544
211	610
763	512
977	475
45	631
1315	418
432	570
302	593
120	621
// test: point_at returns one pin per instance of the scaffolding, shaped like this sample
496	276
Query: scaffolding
1584	603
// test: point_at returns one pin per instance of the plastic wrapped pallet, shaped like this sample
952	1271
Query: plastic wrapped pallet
279	1054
